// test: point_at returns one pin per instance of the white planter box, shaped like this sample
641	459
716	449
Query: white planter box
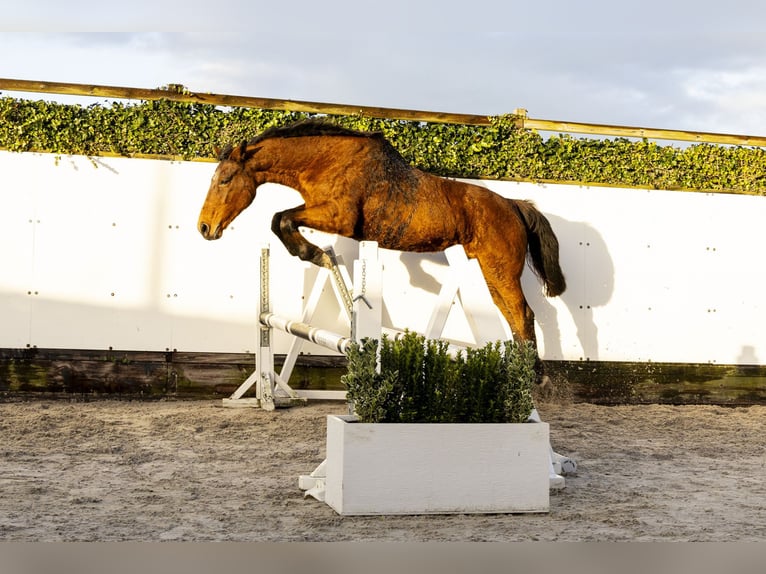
436	468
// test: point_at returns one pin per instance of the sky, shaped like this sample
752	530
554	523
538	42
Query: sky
677	64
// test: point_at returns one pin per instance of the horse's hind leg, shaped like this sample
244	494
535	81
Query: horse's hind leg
502	264
521	319
503	277
509	298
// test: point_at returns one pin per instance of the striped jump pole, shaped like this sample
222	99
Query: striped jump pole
315	335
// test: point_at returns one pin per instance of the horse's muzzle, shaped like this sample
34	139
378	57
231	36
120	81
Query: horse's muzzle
209	233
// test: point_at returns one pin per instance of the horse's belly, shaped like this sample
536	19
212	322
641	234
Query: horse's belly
425	226
416	238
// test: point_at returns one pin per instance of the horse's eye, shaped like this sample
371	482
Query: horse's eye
226	179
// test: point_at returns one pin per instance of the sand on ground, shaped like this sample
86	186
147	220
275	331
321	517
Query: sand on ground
196	471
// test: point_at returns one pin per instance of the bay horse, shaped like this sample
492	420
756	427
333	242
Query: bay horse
355	184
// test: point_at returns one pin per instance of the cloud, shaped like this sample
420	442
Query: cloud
683	64
732	99
140	15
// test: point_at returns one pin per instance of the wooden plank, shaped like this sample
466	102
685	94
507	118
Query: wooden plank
110	373
611	382
186	96
181	95
638	132
139	374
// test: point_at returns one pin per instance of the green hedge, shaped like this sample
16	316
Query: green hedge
419	382
498	151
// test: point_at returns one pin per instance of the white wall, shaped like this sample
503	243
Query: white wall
108	256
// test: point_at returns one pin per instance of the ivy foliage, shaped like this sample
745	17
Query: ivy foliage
500	150
419	382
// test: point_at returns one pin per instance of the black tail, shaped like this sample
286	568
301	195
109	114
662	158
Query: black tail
543	249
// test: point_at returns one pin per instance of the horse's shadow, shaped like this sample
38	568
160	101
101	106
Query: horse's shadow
589	271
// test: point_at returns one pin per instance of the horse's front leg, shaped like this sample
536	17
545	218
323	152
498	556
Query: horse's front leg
285	225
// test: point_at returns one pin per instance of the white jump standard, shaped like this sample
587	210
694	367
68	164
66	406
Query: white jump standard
272	388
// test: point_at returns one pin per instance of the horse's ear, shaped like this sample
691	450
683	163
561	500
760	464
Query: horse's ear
217	151
238	153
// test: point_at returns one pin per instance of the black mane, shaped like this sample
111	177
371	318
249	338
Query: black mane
304	128
310	128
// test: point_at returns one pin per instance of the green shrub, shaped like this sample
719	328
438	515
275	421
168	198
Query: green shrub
419	382
500	150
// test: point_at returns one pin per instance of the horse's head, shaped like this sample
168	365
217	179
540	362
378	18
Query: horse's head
232	189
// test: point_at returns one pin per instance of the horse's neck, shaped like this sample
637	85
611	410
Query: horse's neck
274	163
289	179
272	172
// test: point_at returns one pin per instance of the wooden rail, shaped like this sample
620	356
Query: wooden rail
176	93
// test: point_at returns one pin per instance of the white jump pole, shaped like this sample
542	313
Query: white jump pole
315	335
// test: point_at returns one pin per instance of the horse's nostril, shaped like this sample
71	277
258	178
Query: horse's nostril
203	228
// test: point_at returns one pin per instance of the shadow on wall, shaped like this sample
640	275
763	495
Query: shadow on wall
589	271
747	356
419	277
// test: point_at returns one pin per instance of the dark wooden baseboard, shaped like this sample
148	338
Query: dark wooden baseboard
77	373
611	382
146	374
